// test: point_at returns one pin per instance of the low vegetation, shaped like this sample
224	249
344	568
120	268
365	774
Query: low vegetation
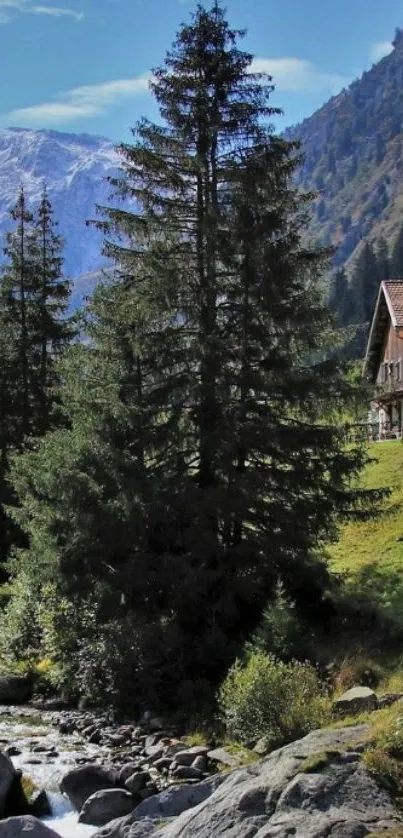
369	555
272	699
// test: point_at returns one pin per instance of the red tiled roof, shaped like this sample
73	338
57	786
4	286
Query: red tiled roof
394	290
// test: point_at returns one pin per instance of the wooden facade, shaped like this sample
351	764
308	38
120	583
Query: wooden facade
384	362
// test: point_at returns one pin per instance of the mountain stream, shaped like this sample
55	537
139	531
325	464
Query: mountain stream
45	755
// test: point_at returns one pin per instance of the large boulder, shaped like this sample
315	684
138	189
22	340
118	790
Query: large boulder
162	807
356	700
80	783
15	689
8	778
177	799
23	826
105	806
316	787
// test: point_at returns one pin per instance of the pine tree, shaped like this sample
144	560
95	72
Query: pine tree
51	328
397	257
33	301
17	292
364	291
198	468
340	298
384	262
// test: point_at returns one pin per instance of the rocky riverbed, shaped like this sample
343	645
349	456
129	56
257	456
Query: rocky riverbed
142	781
94	770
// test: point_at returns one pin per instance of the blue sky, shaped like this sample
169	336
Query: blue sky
82	65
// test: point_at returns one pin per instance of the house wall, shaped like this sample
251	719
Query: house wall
391	365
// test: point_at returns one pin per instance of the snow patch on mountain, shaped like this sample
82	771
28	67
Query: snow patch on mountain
74	168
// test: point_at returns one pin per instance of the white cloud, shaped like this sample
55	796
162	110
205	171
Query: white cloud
380	50
55	11
79	103
8	6
299	75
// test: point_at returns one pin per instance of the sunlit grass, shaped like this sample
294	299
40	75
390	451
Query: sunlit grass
370	553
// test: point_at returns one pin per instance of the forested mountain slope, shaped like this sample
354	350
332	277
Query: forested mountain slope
354	159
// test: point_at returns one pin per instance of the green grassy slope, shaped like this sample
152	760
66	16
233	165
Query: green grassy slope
370	554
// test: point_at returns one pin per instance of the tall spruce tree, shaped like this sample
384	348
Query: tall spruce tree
17	295
397	257
384	262
364	291
340	297
52	330
33	302
224	476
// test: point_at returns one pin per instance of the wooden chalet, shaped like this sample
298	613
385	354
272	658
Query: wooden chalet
384	361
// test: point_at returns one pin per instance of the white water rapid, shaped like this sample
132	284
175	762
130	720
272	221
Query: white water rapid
45	756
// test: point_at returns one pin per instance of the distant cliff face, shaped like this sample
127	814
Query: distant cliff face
74	169
353	149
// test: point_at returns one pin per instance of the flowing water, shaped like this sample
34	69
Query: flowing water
45	757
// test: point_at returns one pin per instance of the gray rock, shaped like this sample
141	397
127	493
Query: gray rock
261	748
105	806
200	763
356	700
279	797
222	756
127	771
176	799
163	807
8	777
25	825
15	689
80	783
137	782
163	763
188	756
126	828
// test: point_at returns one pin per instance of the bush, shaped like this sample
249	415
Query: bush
358	671
272	699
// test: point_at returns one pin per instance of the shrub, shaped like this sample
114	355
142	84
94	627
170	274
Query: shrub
272	699
361	671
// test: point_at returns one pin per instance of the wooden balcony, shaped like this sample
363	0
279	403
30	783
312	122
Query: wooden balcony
388	391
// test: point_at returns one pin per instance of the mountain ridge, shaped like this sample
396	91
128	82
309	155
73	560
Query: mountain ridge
74	168
352	158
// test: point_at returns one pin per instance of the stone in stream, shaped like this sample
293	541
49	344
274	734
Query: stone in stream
80	783
25	798
24	825
105	806
8	777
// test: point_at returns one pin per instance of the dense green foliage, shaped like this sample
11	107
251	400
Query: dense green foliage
34	329
271	699
353	299
197	470
353	159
